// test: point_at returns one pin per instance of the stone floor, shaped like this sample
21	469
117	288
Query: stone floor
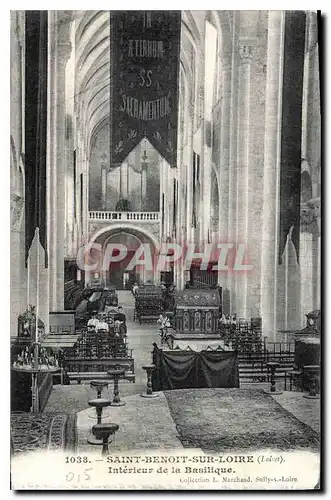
148	424
143	424
155	427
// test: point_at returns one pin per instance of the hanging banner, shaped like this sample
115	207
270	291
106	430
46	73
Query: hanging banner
145	52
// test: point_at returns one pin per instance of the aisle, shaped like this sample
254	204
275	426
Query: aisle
140	337
73	398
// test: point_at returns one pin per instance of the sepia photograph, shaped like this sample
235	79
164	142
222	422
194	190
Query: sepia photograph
165	250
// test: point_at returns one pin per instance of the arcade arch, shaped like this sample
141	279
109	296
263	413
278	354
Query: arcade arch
120	249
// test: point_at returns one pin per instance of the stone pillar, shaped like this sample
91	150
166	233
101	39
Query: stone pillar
306	264
59	52
161	232
312	131
181	230
52	110
271	174
86	198
124	181
223	219
104	186
189	169
143	186
310	256
225	149
245	52
18	289
16	260
233	150
205	172
317	295
63	50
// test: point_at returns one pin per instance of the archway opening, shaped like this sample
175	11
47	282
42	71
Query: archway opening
128	256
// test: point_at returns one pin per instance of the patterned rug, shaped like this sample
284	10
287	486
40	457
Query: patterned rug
236	419
43	431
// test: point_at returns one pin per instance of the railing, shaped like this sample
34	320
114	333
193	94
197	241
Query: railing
124	216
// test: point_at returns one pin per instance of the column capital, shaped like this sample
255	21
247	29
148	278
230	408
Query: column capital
310	218
225	58
245	52
190	108
64	51
17	208
246	49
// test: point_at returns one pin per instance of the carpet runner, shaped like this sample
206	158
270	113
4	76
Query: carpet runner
236	419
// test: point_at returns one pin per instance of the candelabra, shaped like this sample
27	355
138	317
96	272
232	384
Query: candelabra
35	359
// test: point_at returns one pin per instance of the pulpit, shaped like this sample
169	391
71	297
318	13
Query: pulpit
307	345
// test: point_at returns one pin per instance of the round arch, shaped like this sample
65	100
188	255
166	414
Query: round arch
118	274
126	227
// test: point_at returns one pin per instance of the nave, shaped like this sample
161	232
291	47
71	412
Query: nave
165	232
157	428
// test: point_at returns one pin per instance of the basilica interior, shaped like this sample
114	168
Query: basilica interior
241	170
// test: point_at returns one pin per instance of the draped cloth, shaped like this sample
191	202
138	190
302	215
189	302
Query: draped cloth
189	369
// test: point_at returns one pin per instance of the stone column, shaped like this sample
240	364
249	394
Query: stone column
64	50
143	186
181	230
205	172
307	261
161	232
124	181
311	224
317	301
104	186
86	197
233	150
245	52
271	174
52	109
189	160
224	201
16	254
225	147
312	131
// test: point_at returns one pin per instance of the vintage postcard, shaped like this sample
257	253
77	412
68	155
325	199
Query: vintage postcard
165	196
